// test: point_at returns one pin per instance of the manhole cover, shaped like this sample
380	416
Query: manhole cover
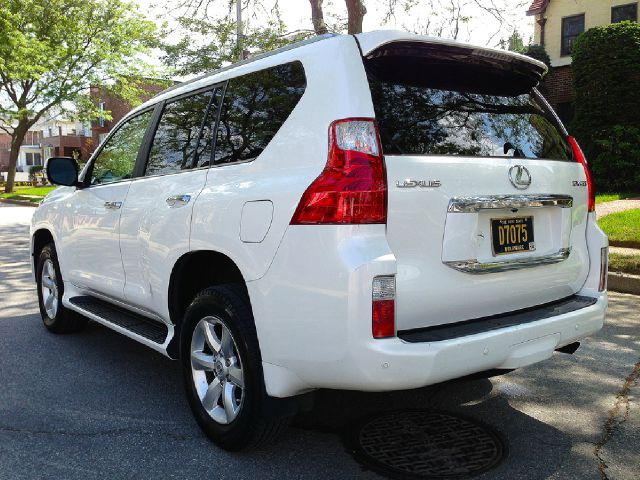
426	444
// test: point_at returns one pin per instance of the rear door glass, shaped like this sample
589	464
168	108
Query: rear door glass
177	143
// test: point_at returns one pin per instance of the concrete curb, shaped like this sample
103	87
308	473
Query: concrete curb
624	283
22	203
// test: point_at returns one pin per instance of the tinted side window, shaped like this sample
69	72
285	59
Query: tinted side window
255	107
176	145
118	157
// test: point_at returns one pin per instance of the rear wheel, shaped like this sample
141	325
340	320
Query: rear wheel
222	370
55	316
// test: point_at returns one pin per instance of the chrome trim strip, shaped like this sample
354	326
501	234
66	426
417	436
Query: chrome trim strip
477	268
475	204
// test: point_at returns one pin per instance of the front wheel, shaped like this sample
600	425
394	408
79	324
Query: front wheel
222	370
55	316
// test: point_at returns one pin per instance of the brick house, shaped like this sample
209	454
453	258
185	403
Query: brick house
30	150
557	24
58	136
117	106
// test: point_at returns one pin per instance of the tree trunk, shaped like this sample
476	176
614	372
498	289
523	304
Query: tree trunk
16	140
356	12
317	17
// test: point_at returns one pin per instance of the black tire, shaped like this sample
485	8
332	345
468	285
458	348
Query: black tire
256	423
64	320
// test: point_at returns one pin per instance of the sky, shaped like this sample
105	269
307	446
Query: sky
481	27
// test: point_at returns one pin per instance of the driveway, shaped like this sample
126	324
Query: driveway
98	405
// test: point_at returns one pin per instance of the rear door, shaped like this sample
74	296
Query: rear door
487	209
156	218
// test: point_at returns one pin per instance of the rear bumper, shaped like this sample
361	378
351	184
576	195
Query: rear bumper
314	322
394	364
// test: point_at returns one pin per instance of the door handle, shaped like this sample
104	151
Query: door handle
178	200
112	205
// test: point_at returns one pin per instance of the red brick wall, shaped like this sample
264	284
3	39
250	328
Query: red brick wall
558	86
5	145
33	137
118	108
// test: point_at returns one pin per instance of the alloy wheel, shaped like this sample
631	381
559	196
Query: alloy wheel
217	370
49	288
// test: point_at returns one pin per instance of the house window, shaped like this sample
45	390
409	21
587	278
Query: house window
32	159
572	27
624	12
102	108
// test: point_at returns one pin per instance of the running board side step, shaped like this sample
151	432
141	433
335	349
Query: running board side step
145	330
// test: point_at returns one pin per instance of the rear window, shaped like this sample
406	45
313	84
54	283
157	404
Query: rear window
428	109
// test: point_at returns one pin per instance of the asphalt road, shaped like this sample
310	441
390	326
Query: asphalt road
98	405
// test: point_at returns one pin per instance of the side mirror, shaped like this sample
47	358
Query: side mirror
62	171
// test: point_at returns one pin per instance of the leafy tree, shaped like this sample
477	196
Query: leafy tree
51	52
211	43
606	73
514	43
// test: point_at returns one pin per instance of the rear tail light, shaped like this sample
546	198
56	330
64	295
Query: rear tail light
579	155
604	268
352	188
383	321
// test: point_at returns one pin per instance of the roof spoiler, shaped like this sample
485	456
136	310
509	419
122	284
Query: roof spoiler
414	60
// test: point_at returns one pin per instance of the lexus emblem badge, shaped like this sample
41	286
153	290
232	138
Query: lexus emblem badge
520	177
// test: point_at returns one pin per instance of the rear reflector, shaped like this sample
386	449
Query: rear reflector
352	188
604	268
579	156
383	307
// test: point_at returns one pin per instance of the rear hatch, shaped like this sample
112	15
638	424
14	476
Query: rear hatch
487	208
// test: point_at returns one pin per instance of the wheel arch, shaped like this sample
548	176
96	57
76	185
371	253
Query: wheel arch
192	273
39	239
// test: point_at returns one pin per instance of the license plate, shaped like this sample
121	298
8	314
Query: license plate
512	235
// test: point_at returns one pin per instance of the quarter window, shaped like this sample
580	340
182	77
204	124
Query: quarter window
118	157
255	107
177	144
572	27
624	12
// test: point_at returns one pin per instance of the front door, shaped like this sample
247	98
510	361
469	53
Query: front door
91	226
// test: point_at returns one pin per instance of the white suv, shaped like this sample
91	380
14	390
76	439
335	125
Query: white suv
374	212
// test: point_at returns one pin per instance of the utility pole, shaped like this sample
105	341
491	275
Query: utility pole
239	34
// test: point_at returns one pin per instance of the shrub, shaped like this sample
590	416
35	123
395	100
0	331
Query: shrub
617	162
539	53
34	171
606	75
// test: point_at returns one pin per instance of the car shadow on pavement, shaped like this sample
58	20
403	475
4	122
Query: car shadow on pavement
337	411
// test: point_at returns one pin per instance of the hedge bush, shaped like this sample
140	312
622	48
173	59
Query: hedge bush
539	53
606	76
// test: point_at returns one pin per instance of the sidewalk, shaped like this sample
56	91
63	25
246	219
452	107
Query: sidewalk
606	208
